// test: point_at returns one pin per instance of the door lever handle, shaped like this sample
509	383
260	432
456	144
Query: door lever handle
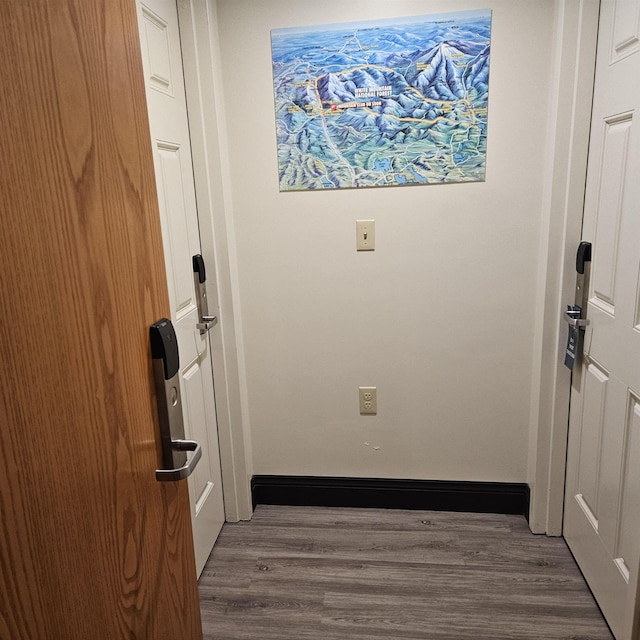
574	319
574	315
166	370
205	321
172	475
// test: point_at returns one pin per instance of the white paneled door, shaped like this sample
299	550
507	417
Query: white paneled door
162	61
602	511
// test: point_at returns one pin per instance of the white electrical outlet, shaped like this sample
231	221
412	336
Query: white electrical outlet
368	400
366	235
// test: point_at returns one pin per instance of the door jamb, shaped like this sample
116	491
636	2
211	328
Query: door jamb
577	29
199	41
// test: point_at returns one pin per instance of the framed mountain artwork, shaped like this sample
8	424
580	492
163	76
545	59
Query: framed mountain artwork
382	103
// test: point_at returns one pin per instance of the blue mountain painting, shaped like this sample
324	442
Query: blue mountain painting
382	103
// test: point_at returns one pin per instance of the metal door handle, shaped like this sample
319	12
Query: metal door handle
206	321
574	319
172	475
166	369
574	315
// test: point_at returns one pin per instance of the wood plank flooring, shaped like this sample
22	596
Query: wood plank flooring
311	573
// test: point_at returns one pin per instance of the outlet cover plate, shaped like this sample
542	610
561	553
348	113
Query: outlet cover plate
368	400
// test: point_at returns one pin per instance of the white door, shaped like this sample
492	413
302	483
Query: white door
162	60
602	510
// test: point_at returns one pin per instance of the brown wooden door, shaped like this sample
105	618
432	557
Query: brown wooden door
91	546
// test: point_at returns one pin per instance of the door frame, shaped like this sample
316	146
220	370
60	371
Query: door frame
565	180
202	75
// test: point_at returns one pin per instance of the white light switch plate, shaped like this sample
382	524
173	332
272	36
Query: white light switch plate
366	235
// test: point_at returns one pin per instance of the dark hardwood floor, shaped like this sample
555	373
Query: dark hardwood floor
311	573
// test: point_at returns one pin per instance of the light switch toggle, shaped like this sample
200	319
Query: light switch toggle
365	235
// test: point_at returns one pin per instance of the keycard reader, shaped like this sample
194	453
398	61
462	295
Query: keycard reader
166	371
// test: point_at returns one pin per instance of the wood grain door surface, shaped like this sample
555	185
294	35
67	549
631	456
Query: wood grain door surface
602	514
91	545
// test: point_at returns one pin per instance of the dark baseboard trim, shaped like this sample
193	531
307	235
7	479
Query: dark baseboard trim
436	495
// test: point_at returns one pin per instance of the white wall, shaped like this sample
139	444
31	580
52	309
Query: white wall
440	317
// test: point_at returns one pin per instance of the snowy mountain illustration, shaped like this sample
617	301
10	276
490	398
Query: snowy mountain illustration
442	73
383	103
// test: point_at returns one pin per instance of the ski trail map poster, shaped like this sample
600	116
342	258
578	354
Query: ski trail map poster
382	103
